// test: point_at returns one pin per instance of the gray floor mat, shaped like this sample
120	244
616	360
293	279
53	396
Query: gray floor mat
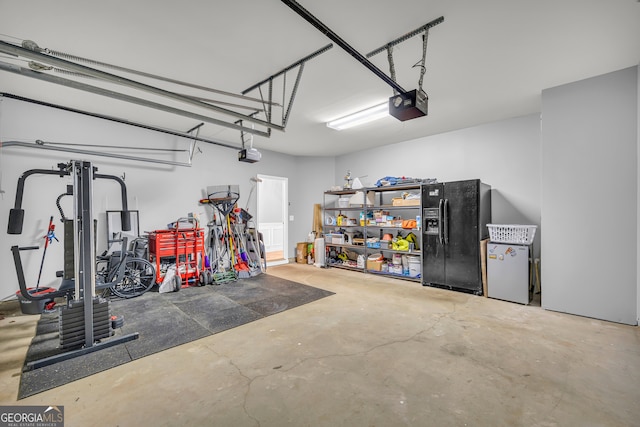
164	321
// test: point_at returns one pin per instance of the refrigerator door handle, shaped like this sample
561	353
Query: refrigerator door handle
446	221
440	217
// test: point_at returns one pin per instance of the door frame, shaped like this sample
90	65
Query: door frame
285	213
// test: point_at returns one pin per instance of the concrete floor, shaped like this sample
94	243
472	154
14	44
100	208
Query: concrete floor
381	352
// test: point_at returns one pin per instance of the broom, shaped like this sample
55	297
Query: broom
47	239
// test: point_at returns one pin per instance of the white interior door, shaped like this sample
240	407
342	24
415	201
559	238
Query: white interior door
273	203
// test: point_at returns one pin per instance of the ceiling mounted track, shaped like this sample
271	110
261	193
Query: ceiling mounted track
286	110
44	145
19	51
424	30
44	60
100	150
120	120
33	46
296	7
407	36
120	96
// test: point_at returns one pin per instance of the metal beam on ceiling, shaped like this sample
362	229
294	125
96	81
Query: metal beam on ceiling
120	120
407	36
42	146
289	68
108	77
144	74
286	106
122	97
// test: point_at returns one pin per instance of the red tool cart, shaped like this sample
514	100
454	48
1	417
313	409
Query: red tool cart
182	245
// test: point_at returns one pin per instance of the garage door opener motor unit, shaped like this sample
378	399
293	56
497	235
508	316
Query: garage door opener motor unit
247	155
403	105
408	105
250	155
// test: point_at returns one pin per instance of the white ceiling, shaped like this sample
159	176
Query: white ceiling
489	59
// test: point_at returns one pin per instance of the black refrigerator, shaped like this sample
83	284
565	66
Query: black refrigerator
454	221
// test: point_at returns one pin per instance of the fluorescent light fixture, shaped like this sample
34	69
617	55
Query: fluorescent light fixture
361	117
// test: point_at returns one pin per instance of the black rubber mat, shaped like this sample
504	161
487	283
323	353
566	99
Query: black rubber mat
164	321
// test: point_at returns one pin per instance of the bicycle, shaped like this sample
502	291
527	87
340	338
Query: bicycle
125	276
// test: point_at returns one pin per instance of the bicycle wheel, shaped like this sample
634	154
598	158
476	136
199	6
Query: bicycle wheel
139	277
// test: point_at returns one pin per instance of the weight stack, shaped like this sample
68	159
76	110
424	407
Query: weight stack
69	238
71	322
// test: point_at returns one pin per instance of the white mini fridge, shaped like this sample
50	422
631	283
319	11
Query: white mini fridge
508	272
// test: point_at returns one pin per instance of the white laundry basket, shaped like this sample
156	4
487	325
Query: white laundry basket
512	234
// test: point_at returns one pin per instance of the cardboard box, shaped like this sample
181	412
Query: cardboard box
358	199
336	239
301	253
405	202
374	265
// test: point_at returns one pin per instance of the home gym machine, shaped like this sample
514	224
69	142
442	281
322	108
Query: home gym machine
86	318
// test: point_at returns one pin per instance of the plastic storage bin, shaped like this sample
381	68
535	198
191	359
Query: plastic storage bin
343	202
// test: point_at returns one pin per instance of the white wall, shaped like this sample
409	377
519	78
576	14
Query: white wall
504	154
590	197
315	176
161	193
